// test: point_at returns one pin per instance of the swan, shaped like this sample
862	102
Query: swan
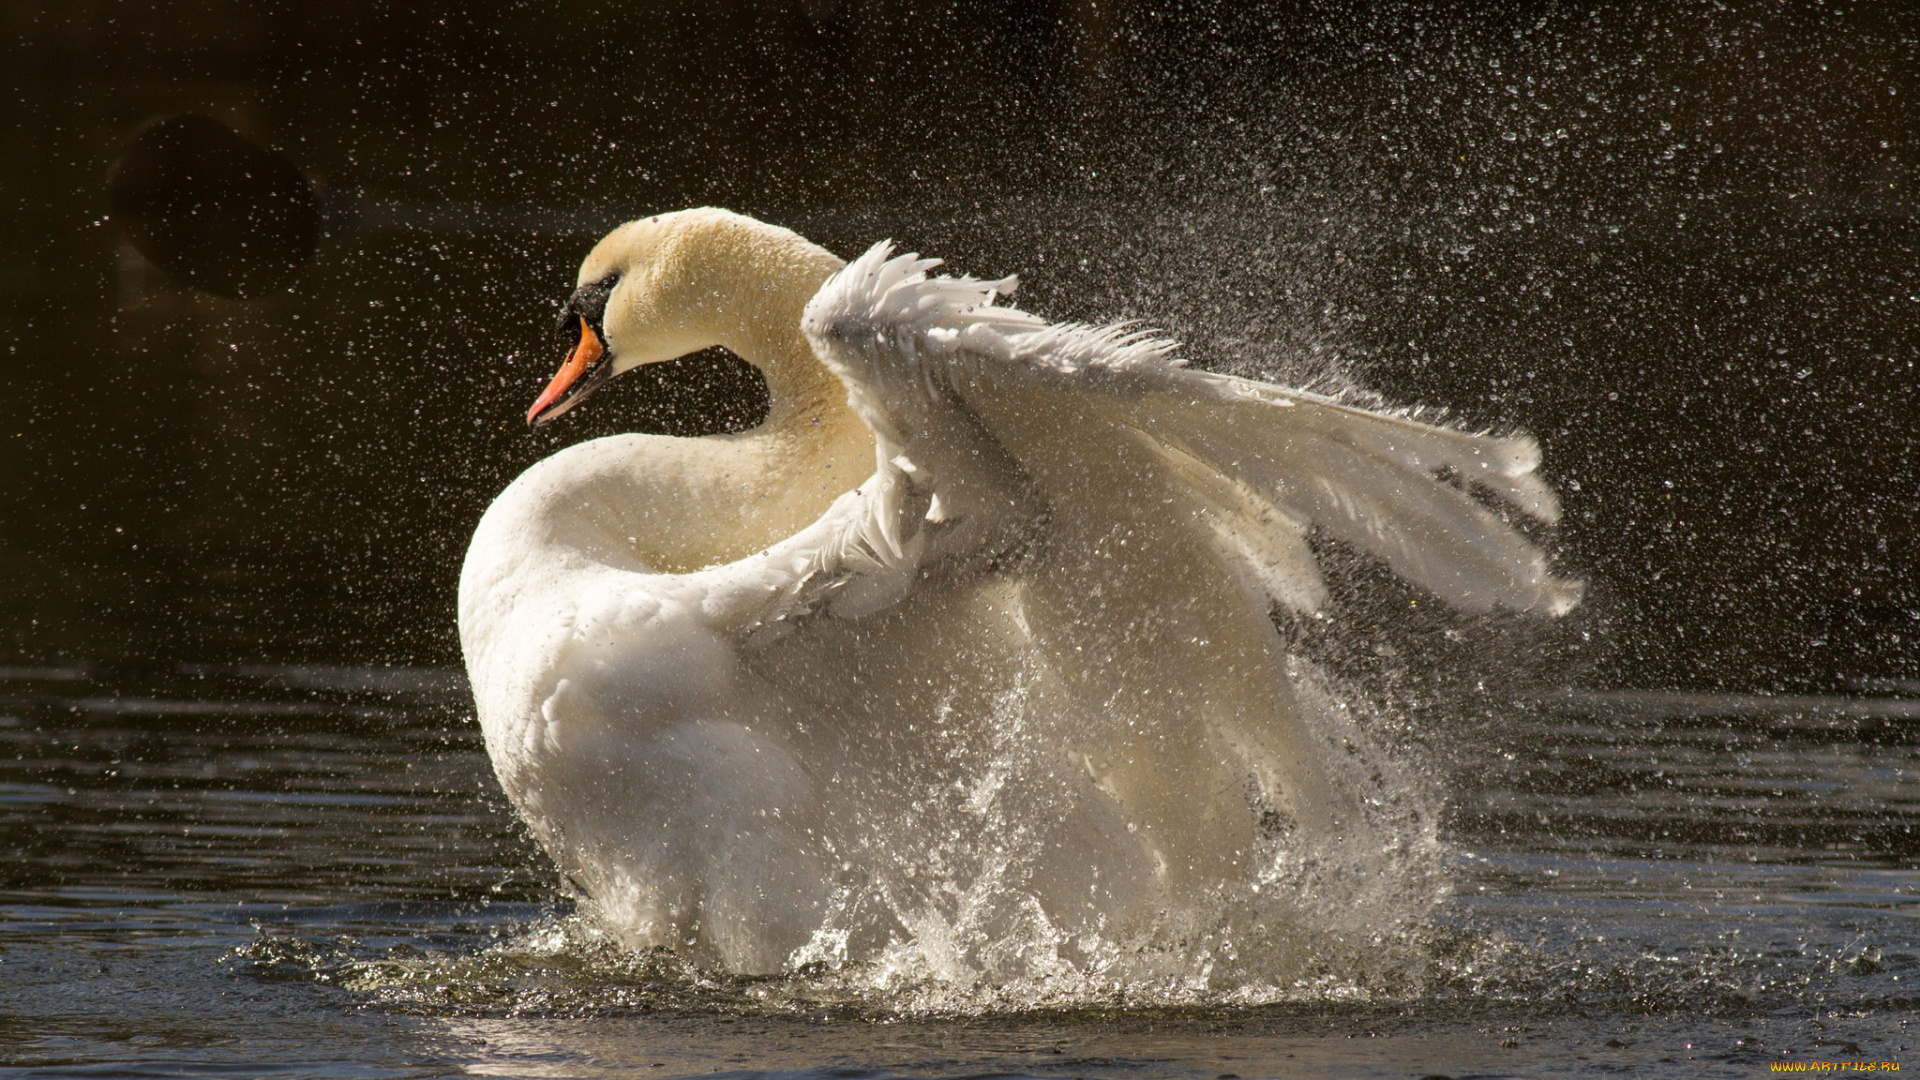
980	584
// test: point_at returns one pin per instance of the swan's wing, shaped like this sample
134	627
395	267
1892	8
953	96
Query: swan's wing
1256	463
851	561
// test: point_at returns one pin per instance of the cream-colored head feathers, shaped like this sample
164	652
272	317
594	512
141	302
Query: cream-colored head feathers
697	278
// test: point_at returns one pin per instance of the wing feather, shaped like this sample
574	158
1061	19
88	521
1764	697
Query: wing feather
1256	462
851	561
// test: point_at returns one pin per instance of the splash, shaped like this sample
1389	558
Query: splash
576	966
947	898
968	925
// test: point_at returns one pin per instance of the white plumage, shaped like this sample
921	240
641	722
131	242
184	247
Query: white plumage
909	347
750	711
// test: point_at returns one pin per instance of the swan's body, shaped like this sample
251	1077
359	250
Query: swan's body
730	681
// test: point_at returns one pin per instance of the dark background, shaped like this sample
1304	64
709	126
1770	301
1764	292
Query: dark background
1674	241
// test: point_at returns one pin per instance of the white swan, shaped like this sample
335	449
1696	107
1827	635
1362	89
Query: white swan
971	560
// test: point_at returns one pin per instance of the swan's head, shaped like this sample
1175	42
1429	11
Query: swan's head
659	288
596	324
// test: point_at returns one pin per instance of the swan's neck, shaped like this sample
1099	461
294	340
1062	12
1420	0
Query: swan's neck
674	505
680	504
803	396
745	285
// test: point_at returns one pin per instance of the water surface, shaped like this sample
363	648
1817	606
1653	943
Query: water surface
308	871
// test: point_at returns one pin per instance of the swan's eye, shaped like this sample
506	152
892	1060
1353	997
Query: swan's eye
588	302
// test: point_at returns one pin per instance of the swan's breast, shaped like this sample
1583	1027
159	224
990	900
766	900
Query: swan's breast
548	547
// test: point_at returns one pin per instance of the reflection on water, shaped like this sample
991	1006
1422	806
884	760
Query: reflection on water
200	784
1745	777
277	867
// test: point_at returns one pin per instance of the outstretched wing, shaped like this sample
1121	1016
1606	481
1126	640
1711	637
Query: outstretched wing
1253	462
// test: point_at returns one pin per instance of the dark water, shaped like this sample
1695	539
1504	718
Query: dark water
306	871
246	824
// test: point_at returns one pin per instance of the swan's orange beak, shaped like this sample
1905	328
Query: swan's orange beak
581	373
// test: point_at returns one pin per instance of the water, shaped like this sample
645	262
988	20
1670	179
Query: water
307	871
247	826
